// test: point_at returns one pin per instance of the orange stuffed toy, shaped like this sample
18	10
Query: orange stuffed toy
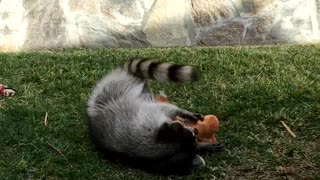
205	129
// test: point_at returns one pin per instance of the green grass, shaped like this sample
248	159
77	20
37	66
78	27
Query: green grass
250	90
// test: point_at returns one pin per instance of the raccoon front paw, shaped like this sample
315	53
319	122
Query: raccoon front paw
210	148
176	127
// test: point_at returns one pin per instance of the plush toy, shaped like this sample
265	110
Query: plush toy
205	130
6	91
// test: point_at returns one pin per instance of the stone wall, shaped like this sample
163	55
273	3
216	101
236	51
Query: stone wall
49	24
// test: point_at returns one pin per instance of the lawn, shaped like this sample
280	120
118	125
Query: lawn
250	89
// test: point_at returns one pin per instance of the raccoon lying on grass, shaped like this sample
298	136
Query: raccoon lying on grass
125	120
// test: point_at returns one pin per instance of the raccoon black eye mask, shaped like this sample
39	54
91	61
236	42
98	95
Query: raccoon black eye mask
124	118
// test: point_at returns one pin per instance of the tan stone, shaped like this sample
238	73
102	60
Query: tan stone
318	13
12	25
124	11
170	24
8	43
46	26
49	24
251	8
118	24
206	12
91	6
29	4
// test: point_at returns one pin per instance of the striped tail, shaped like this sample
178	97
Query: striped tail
162	72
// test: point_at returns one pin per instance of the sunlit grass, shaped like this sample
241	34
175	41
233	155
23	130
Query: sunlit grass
250	90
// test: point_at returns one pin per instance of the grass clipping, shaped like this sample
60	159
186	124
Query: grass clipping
288	129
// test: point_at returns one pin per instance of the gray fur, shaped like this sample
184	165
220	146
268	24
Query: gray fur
123	116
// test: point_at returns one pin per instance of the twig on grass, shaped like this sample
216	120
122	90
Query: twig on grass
288	129
46	119
60	153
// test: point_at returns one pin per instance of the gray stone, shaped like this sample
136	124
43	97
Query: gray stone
50	24
265	22
258	31
296	22
221	35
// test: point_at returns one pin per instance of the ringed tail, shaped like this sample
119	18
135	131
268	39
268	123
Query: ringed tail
162	72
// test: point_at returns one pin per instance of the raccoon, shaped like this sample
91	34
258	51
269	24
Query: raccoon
125	120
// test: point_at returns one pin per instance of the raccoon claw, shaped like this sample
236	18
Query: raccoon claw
193	117
210	148
217	147
199	116
198	161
